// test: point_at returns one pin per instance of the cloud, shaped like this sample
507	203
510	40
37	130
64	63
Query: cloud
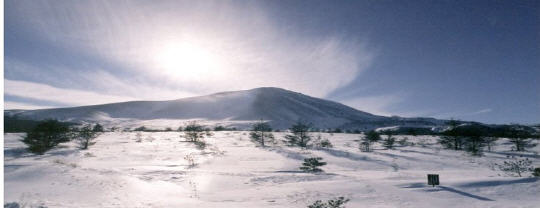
110	84
461	114
378	105
49	93
248	46
486	110
23	106
96	80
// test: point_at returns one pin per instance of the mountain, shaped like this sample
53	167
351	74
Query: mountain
281	107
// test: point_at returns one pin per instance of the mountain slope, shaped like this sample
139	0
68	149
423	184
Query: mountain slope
281	107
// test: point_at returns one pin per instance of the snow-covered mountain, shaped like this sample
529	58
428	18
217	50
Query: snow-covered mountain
281	107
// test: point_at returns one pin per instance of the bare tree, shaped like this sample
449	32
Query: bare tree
490	142
520	137
451	138
85	136
322	143
518	166
389	141
261	132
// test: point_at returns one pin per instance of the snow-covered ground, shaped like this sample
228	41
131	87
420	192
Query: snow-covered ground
233	172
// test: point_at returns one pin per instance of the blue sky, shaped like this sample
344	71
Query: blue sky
470	60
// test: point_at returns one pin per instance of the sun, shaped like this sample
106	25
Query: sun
187	60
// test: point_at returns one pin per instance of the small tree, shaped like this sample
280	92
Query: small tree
299	135
194	132
474	145
115	128
520	138
322	142
403	142
518	166
451	142
389	141
261	132
85	136
490	142
368	139
46	135
208	132
200	144
338	202
536	172
98	128
190	160
451	138
138	137
474	141
312	164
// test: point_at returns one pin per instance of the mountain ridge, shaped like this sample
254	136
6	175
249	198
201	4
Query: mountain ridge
280	107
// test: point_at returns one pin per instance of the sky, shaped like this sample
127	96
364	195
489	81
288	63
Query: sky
470	60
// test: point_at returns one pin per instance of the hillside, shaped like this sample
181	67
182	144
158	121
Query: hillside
281	107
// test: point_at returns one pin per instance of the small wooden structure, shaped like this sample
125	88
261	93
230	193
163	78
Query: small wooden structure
433	179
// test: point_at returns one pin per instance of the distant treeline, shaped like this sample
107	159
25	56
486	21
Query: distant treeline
495	130
470	129
14	124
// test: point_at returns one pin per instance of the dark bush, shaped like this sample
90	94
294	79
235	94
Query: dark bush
338	202
312	164
142	128
46	135
98	128
194	132
368	139
536	172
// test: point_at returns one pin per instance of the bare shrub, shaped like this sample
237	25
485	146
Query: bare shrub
516	167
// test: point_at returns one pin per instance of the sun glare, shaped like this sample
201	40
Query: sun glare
186	60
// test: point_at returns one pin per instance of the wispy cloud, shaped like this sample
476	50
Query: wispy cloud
486	110
49	93
378	105
250	49
474	113
23	106
95	80
462	115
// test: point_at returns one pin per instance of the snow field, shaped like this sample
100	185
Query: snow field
232	171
